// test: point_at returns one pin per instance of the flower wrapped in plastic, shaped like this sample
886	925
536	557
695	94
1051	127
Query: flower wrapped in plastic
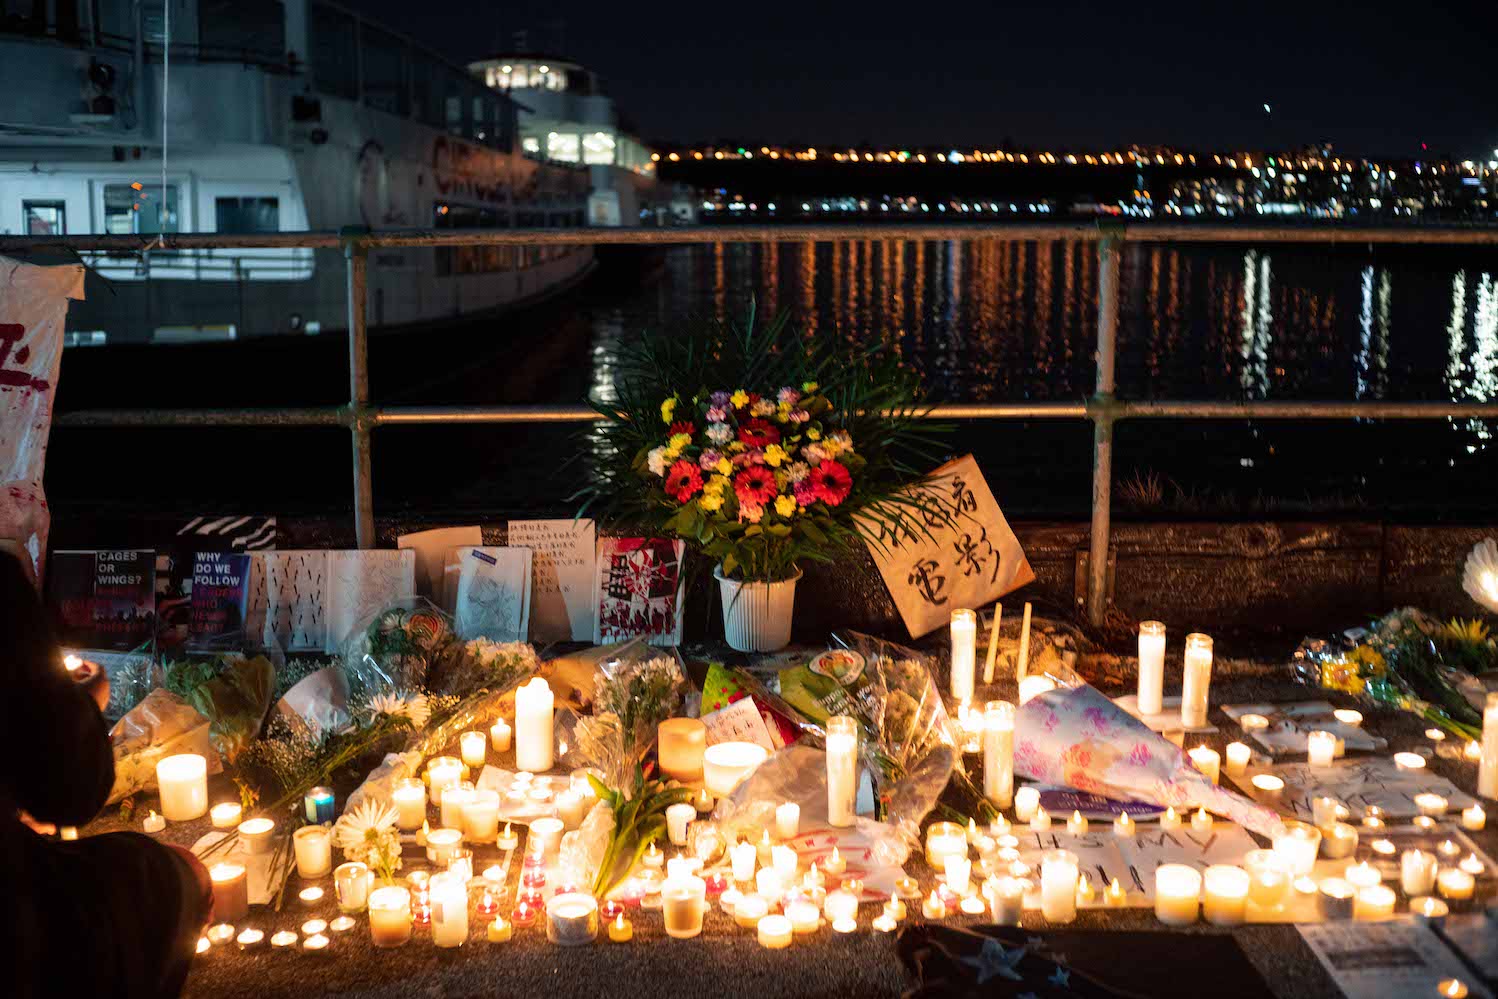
403	644
1074	736
635	689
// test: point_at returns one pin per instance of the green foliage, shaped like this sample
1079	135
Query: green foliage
233	692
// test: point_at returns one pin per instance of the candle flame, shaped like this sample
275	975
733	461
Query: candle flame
71	663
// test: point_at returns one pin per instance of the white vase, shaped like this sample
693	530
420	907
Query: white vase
757	616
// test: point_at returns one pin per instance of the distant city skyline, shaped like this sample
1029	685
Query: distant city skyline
1378	79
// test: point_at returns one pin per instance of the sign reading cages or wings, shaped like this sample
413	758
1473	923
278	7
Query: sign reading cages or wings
955	550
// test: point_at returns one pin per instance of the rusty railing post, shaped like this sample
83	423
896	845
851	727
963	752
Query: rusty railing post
1100	411
360	418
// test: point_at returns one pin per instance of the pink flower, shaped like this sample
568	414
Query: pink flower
750	512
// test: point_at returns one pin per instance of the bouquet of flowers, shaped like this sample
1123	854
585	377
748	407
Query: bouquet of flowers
367	834
756	447
633	693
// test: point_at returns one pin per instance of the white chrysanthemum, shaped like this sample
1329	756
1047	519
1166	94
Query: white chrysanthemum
364	827
657	461
1480	578
401	705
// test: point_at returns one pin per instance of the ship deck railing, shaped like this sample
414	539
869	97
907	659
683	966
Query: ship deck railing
361	416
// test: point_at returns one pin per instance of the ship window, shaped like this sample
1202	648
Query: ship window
384	72
247	215
562	147
44	218
335	52
598	148
137	208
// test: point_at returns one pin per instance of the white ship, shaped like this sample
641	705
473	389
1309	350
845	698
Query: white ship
275	117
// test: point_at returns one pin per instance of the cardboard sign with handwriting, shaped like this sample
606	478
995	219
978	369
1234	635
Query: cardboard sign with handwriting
957	552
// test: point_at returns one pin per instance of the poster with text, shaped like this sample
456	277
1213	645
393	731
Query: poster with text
105	599
220	598
562	555
956	551
639	590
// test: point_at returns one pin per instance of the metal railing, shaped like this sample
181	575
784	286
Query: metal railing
1103	409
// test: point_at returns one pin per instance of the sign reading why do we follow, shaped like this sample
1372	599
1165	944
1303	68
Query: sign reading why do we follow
958	551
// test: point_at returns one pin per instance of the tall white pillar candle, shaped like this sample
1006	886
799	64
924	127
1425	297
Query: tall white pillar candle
1024	646
533	736
1058	886
787	820
1487	769
842	770
998	753
1151	667
1177	889
183	783
448	894
964	653
1198	675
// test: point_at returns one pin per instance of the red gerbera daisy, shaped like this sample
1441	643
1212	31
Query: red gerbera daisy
681	427
758	433
831	482
755	485
683	481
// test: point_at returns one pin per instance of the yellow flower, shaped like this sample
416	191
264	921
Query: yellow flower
774	455
785	505
715	485
710	502
1367	660
809	386
740	399
679	441
814	434
668	410
724	466
1342	676
736	446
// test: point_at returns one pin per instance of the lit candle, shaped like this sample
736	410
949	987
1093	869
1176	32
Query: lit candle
534	743
1151	667
1123	825
1452	988
183	783
226	815
1177	890
1474	818
473	746
481	816
313	847
454	797
842	767
351	883
1383	847
1006	900
1298	845
1414	761
894	908
1325	810
499	736
1472	752
1338	840
1455	884
964	628
1487	769
840	905
1448	850
1197	678
835	864
680	743
1321	748
1267	787
1202	821
933	907
774	932
1170	820
283	939
155	822
1336	898
317	805
571	919
1269	878
1026	800
1373	817
314	926
804	916
883	924
310	896
998	753
250	939
1472	864
1428	908
958	870
621	930
231	891
1253	722
743	857
507	840
1033	686
653	857
1225	894
725	764
1115	895
390	916
999	826
783	859
1077	824
1374	902
441	843
1023	665
1058	886
1433	805
1207	761
1040	821
443	772
703	799
1238	755
1347	716
342	924
448	893
787	820
1085	892
315	944
410	800
683	902
678	817
1362	874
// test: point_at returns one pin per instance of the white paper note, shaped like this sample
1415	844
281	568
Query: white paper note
739	722
493	600
1373	780
1289	723
562	566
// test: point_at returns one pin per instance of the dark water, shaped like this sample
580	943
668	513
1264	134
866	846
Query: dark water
982	321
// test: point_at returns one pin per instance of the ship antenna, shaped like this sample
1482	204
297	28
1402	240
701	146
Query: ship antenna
166	79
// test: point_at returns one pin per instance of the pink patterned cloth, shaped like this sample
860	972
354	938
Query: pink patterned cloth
1074	736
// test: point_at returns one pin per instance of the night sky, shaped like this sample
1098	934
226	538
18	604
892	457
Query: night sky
1371	78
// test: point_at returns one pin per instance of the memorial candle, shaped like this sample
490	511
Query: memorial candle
1455	884
1026	800
1197	678
1123	825
774	932
1151	667
1058	886
1040	821
255	834
442	772
1417	872
1224	894
481	816
226	815
317	806
1373	902
998	753
1433	805
473	746
534	742
410	800
842	770
1023	665
683	902
1474	818
231	892
804	916
964	627
1487	767
499	736
787	820
959	873
1170	819
1336	898
183	784
680	744
449	900
678	817
1321	748
1298	845
313	847
352	882
155	822
1206	760
743	857
1177	890
1238	755
454	798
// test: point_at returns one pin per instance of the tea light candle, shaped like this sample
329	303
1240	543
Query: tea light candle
313	926
749	910
1338	840
1238	755
1411	761
1383	847
1373	817
1362	874
883	924
1423	822
1151	666
702	800
1298	845
1455	884
183	784
315	944
1374	902
474	748
653	857
534	740
317	805
1077	824
481	816
1040	821
1058	886
231	892
835	864
256	835
743	857
313	847
1197	678
342	924
154	822
842	767
1431	804
933	907
499	736
725	764
1085	892
774	932
571	919
1267	787
1170	819
1123	825
250	939
1472	864
1452	988
501	930
1177	889
1472	752
226	815
1428	908
1321	748
621	930
310	896
283	939
1115	895
998	753
680	744
1474	818
507	840
964	629
813	877
1207	760
1253	722
958	870
1487	767
441	843
1225	894
1336	899
1347	716
524	913
1026	800
1448	850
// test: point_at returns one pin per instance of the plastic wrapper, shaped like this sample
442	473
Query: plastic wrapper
380	783
161	725
319	702
404	646
583	848
1075	737
635	689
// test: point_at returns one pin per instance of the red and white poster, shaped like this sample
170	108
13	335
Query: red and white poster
639	590
33	311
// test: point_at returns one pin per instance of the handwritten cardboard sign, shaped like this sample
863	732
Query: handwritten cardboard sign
562	561
958	552
1375	780
1289	724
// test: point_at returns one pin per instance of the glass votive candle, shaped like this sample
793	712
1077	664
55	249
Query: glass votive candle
410	799
473	747
1373	902
1238	756
441	773
1298	845
1269	879
256	835
1325	810
1177	892
1362	874
351	882
958	870
1338	840
1336	898
944	839
454	797
441	843
1267	787
481	816
1058	886
318	805
1455	884
572	919
313	846
1224	894
390	916
1207	760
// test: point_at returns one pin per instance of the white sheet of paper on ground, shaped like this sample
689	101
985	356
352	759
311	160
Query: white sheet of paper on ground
1289	723
562	571
1473	937
1370	780
494	593
263	880
525	810
432	548
360	585
739	722
1394	958
1168	720
857	849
